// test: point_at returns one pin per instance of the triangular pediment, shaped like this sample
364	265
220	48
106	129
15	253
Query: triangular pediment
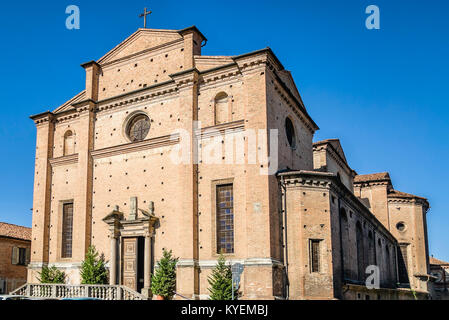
287	78
339	149
69	104
141	40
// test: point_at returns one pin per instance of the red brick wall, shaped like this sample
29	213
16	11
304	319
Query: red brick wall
15	275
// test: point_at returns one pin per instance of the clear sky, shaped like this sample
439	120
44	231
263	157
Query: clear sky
384	92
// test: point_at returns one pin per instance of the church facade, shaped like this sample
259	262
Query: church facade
170	149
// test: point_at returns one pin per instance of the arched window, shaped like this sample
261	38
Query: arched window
380	260
69	143
222	112
388	265
371	249
290	133
345	243
402	252
138	127
360	252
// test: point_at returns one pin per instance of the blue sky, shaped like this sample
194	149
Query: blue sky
382	92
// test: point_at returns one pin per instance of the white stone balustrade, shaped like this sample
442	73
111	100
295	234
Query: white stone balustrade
61	291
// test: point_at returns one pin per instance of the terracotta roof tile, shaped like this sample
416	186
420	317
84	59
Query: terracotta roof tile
399	194
14	231
372	177
437	261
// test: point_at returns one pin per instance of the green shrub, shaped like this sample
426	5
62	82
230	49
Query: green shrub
51	275
93	268
163	282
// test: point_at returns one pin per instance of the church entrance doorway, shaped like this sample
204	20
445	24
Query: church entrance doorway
132	247
133	263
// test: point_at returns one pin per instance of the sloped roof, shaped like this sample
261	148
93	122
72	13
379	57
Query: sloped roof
287	77
139	41
335	143
383	176
15	231
437	261
68	105
398	194
144	39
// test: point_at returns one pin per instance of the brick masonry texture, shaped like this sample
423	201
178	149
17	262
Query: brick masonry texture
162	74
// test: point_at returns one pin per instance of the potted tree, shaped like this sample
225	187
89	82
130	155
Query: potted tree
163	282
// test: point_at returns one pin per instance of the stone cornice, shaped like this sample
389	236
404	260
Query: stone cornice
154	50
59	265
43	117
66	116
192	29
220	129
221	73
411	200
88	64
249	262
179	81
185	79
372	183
334	155
136	146
141	95
243	59
61	161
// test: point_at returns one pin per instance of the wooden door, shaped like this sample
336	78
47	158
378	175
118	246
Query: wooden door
130	263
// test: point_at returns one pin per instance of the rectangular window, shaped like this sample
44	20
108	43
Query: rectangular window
225	219
67	230
314	255
19	256
22	256
403	263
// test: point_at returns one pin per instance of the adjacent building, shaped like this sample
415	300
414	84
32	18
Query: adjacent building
15	244
440	270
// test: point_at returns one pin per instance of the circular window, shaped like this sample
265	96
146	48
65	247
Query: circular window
290	132
138	128
401	226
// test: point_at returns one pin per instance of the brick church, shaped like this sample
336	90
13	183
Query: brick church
303	223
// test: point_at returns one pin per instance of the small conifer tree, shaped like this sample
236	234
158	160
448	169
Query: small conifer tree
221	281
93	269
51	275
163	282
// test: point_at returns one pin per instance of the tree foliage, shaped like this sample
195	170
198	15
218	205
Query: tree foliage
163	282
93	269
51	275
220	281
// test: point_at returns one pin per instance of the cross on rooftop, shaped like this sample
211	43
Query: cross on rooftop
144	15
